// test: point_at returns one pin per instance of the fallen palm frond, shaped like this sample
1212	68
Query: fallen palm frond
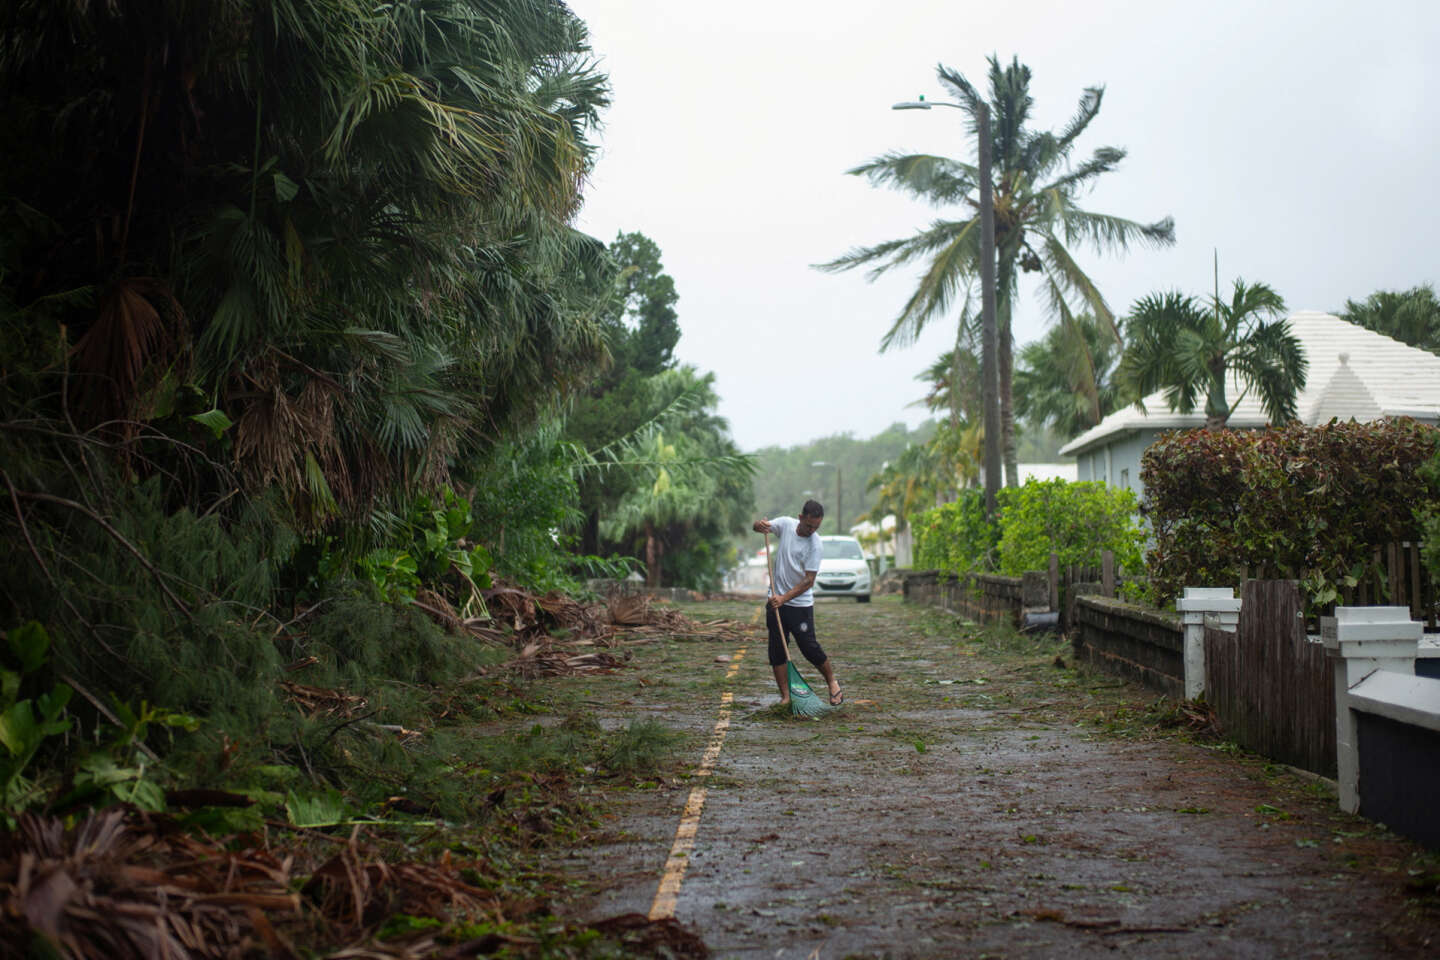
318	701
355	891
116	887
665	937
129	886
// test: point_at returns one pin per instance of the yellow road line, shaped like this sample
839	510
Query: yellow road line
674	874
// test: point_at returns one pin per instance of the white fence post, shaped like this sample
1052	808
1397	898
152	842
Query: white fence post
1362	640
1197	604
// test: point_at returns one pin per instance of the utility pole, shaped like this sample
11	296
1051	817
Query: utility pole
989	350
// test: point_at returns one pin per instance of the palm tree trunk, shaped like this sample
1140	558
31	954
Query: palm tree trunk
1217	408
652	556
989	348
1005	283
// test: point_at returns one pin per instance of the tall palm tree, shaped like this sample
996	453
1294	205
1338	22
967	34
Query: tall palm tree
1038	221
1066	380
1187	348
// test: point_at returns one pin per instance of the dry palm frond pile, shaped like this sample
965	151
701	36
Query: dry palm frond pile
557	635
117	887
127	886
641	617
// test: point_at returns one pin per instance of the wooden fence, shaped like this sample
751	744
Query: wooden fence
1269	685
1395	575
1073	581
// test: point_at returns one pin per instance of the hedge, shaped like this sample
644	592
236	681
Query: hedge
1309	502
1078	521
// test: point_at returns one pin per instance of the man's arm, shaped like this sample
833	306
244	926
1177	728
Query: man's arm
762	526
806	582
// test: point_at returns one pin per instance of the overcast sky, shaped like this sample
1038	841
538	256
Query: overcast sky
1297	138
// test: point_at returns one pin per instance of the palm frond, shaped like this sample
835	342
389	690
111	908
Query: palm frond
1065	277
936	180
949	274
1106	232
1085	111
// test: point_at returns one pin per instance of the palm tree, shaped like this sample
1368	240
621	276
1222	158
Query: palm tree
906	486
1411	316
1053	380
953	386
1186	348
1037	223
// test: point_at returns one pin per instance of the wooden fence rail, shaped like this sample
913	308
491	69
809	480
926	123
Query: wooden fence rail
1269	685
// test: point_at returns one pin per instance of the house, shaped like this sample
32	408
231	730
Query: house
1354	374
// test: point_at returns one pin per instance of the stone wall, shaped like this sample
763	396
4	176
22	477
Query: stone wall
982	597
1135	642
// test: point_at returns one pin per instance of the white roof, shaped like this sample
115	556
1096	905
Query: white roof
1047	471
1354	373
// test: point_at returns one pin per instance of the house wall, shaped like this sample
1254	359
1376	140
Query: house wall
1117	462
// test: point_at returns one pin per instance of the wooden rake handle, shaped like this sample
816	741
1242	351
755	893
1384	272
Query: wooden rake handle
769	573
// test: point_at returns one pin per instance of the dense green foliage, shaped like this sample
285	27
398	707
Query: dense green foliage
1076	521
1309	502
277	280
1410	316
1428	516
346	228
1191	350
956	537
1038	222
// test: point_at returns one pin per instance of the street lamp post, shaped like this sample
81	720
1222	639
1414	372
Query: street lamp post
989	349
839	494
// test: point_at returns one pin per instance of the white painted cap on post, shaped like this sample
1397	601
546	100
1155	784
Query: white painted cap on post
1371	631
1199	601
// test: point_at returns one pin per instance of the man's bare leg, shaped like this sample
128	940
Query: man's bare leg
828	672
782	680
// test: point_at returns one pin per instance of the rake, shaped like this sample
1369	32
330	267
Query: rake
803	700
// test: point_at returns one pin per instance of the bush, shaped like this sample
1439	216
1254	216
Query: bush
955	537
1077	521
1308	502
1428	516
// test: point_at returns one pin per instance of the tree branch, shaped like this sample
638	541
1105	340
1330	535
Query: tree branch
115	534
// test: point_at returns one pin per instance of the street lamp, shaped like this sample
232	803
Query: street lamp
989	346
839	494
923	104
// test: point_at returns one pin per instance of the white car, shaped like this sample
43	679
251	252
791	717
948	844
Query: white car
843	570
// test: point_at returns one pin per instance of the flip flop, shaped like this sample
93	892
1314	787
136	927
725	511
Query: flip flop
837	698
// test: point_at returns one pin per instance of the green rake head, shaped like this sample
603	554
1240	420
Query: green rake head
803	701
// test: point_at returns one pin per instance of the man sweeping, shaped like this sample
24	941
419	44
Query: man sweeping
790	611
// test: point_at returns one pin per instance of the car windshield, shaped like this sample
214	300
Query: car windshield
843	550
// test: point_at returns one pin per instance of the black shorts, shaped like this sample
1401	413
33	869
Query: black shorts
797	622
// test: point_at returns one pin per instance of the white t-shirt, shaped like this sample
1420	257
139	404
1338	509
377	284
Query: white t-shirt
794	557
